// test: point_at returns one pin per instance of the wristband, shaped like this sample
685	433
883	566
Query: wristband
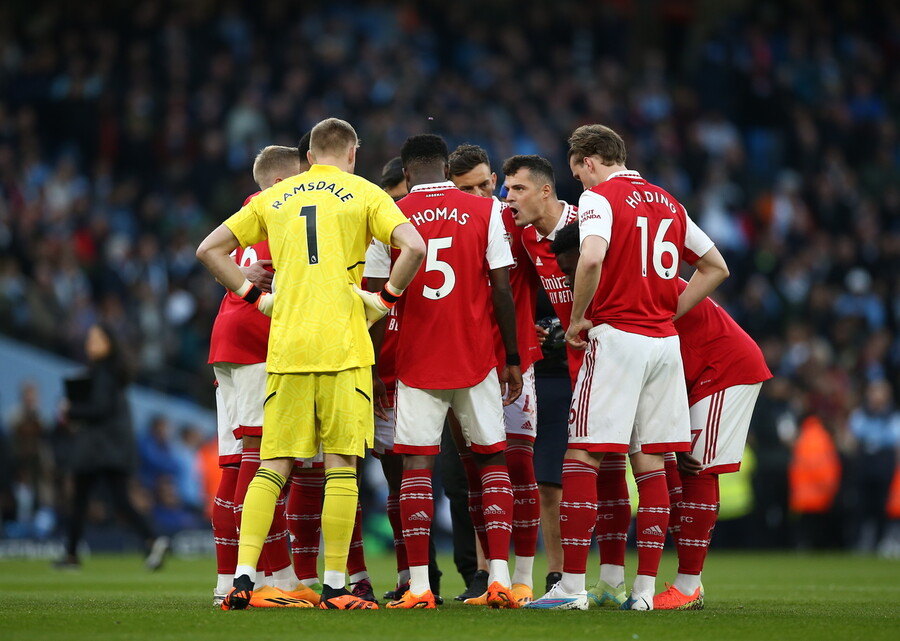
513	360
388	297
249	292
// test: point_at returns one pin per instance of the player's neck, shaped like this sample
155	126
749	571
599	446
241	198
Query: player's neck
426	177
549	218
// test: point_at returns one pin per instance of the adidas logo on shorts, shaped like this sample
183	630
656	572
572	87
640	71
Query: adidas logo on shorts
655	531
420	516
494	509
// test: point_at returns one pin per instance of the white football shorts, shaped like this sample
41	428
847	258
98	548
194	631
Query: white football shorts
719	426
630	395
421	413
520	417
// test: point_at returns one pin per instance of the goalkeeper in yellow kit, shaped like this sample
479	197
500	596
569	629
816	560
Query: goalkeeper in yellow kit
319	387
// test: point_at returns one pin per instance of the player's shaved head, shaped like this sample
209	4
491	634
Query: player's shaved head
566	239
332	137
275	163
424	149
466	157
597	140
539	167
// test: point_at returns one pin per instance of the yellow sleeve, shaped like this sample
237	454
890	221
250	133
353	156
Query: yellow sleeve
384	215
248	225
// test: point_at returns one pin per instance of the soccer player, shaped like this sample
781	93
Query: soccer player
724	370
238	346
535	208
445	360
532	196
630	395
319	383
470	171
384	340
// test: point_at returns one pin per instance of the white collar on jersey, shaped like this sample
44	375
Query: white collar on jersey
625	173
433	186
563	217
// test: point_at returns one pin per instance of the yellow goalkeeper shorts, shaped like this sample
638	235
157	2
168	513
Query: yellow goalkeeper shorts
333	409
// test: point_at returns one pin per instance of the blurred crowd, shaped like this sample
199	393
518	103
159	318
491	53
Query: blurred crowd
127	132
176	470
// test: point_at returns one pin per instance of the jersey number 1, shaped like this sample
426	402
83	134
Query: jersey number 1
661	247
312	241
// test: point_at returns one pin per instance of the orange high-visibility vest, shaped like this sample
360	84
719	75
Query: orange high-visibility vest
893	503
814	474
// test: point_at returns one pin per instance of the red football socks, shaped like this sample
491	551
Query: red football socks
497	508
652	520
224	529
304	517
700	508
613	509
526	500
577	513
416	512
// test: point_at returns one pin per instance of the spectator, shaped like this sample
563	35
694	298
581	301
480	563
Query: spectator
876	427
103	445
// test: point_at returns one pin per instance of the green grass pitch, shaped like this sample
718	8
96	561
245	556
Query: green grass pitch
748	596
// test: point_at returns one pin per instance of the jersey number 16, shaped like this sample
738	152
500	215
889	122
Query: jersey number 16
661	247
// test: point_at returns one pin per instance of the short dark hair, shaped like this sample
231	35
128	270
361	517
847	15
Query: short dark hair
332	135
466	157
303	145
392	173
597	140
423	149
567	239
541	168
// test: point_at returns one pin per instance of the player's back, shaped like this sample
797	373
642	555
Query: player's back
319	224
637	291
716	352
446	339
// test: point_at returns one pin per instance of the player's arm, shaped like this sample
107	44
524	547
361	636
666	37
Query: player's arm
505	313
377	334
259	275
412	253
595	230
711	269
587	279
215	254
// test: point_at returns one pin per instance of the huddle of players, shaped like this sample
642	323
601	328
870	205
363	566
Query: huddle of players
473	304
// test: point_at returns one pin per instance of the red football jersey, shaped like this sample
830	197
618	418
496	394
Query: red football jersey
523	280
716	352
445	339
553	280
649	234
378	265
387	359
240	333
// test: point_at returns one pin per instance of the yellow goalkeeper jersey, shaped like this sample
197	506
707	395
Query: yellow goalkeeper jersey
319	225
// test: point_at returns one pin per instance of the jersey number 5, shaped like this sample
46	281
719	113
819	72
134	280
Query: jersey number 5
434	264
661	247
312	241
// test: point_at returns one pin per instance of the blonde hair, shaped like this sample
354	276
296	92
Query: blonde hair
274	162
332	136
